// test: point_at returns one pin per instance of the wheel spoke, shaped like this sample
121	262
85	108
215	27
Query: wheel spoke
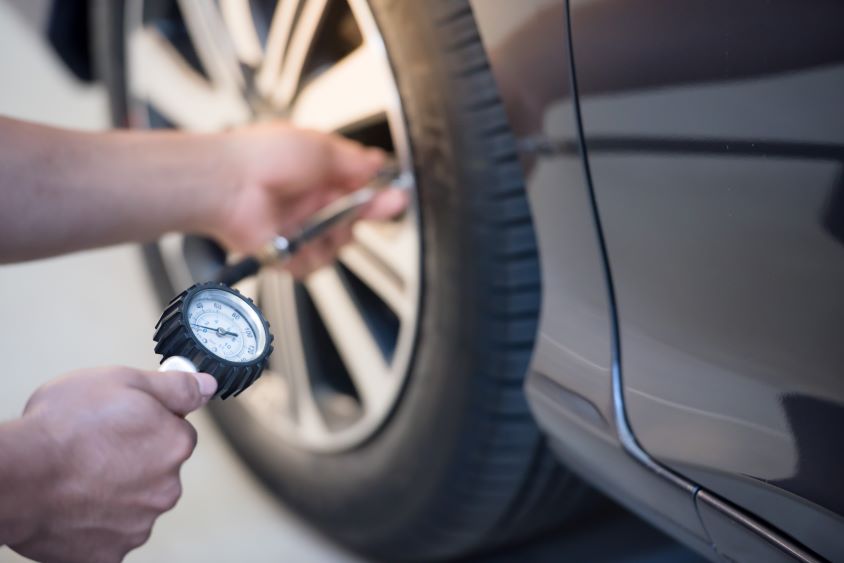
279	292
277	41
355	343
270	394
363	81
249	287
237	14
163	78
172	247
380	277
301	39
210	38
394	245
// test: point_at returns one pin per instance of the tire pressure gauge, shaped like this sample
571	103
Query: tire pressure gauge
215	329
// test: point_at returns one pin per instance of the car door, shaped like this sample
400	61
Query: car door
715	141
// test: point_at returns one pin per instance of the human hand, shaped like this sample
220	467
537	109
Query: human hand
285	174
116	440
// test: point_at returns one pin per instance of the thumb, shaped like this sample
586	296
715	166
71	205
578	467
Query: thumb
180	392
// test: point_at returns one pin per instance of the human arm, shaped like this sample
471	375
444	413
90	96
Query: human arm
65	190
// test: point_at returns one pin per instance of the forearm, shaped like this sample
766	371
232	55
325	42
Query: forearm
25	465
64	191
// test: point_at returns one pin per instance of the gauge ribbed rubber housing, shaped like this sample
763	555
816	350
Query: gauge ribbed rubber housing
174	337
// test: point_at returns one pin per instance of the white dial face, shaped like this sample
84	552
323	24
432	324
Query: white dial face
225	325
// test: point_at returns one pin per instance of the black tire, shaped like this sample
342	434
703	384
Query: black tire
460	465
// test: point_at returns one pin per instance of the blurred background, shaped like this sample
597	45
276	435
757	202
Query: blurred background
107	298
97	308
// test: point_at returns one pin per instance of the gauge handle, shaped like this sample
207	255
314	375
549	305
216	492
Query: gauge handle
233	273
177	363
280	249
340	210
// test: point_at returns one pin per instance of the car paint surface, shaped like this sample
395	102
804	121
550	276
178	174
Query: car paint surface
715	149
570	386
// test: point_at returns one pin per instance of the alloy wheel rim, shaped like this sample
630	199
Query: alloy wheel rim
345	336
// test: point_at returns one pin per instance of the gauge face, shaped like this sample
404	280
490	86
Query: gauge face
226	325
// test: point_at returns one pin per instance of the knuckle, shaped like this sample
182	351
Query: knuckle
137	539
138	533
170	496
341	237
188	389
36	399
108	555
165	497
185	442
127	376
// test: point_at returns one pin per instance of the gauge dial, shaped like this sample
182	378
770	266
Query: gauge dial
226	326
219	331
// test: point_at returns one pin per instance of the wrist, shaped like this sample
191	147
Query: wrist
28	472
217	194
182	180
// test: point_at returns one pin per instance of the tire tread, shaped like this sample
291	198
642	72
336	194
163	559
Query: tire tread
546	494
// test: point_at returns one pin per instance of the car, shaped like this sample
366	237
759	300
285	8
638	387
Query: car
621	269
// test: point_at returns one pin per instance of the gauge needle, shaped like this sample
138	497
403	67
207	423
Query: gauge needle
221	331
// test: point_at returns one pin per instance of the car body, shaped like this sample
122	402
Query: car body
684	170
692	319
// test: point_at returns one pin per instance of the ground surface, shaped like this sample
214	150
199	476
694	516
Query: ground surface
97	308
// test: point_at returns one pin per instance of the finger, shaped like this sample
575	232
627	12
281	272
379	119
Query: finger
351	164
341	237
305	263
180	392
386	205
323	161
319	253
326	249
184	438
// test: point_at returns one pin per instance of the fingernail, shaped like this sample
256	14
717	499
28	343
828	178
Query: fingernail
207	384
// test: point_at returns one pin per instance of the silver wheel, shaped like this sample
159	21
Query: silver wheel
346	335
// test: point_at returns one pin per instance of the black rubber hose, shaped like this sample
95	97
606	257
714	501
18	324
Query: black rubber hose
233	273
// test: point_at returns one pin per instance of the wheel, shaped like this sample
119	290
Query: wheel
393	415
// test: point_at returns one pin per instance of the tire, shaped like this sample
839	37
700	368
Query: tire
460	465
